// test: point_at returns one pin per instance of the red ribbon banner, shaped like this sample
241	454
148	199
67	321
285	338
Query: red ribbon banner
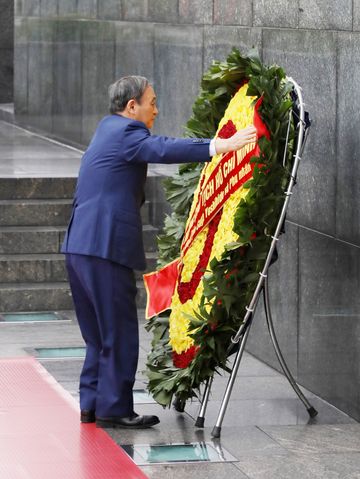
232	171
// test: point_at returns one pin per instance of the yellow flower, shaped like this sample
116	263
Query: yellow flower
241	112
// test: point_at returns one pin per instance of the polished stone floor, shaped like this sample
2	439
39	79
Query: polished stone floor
26	154
266	428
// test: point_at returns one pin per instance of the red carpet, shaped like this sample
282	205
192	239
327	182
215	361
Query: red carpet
40	433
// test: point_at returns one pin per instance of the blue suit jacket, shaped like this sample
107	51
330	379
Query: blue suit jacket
105	220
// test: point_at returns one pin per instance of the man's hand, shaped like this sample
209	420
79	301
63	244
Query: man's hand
237	141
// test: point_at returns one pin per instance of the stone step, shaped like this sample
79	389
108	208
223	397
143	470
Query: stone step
35	296
48	239
151	262
40	268
34	268
62	187
55	212
41	212
149	237
17	297
141	295
37	188
30	239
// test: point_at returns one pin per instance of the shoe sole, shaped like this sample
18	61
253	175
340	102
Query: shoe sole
114	425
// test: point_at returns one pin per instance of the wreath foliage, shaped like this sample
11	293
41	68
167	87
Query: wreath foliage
231	281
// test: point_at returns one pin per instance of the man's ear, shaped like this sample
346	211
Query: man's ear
130	106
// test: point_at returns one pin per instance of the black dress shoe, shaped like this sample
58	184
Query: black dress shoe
133	422
87	416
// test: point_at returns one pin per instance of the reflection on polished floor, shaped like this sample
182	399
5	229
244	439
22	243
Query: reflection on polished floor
26	154
267	433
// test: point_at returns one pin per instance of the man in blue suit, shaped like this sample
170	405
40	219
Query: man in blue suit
103	244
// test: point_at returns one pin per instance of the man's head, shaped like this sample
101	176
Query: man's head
133	97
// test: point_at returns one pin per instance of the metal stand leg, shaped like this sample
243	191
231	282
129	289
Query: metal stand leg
201	417
311	410
217	428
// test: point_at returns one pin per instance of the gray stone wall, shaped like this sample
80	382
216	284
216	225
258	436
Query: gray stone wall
6	51
68	51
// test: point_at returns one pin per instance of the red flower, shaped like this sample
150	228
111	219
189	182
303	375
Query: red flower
183	359
228	130
186	291
231	273
213	326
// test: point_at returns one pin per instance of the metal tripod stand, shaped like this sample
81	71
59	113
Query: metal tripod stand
241	336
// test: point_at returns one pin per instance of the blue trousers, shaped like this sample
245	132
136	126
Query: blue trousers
104	298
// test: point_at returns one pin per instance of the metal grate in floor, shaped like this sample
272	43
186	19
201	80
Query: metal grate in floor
145	454
31	318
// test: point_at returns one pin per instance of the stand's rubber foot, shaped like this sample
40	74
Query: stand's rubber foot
179	405
200	421
216	432
312	412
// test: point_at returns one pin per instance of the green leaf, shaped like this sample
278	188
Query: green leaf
233	245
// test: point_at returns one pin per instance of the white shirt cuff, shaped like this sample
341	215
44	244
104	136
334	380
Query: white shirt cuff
212	149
